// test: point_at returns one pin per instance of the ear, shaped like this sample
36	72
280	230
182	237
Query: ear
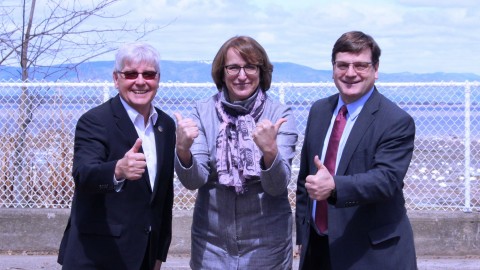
115	79
376	70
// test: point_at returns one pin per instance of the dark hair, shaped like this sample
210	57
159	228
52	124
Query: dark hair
250	50
355	42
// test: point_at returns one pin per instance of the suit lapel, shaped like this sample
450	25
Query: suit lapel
319	127
160	147
324	115
365	119
128	129
123	121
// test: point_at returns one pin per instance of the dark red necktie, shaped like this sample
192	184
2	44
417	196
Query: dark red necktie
321	217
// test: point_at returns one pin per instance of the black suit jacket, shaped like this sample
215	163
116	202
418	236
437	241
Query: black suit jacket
368	226
109	229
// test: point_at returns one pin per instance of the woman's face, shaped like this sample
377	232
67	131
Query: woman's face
242	85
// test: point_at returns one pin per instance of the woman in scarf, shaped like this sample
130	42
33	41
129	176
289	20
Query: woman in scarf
237	149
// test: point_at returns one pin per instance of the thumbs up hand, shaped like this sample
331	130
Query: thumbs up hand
133	164
265	137
320	185
136	147
265	133
187	131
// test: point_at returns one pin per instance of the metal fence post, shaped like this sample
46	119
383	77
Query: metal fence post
468	101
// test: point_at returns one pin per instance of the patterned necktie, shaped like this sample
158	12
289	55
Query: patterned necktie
321	217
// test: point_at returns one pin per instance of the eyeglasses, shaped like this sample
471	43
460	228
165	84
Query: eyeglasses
235	69
132	75
357	66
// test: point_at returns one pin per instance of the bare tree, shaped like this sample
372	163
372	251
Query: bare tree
51	41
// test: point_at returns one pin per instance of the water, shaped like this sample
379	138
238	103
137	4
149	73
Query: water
437	111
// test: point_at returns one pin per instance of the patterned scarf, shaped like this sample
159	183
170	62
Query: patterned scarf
238	157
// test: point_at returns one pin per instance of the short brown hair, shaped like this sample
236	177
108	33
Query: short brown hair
251	51
355	42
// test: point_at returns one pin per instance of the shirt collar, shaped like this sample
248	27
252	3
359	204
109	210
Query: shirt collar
133	114
355	107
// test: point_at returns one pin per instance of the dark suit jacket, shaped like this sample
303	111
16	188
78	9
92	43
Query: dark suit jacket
368	226
109	229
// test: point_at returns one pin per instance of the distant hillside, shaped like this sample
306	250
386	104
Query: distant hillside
199	72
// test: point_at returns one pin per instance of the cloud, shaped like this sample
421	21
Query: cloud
440	3
415	35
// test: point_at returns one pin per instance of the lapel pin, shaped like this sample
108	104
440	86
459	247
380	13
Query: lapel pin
160	128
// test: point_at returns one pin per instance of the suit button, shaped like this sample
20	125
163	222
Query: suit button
148	229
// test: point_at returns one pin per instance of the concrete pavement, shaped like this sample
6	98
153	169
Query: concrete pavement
48	262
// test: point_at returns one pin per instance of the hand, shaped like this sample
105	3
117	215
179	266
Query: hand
132	165
320	185
158	265
187	131
298	252
265	134
265	137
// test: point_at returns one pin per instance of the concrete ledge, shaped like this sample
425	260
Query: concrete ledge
439	233
39	231
32	230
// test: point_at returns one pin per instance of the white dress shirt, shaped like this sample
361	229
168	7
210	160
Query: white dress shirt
145	132
353	110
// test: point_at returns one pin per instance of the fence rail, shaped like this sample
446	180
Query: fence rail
37	123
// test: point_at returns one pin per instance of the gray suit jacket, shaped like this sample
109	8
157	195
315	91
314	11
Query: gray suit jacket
368	223
240	231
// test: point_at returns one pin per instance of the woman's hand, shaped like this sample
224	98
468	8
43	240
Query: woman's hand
187	131
265	137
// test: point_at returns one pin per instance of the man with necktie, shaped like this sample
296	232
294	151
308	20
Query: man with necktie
350	208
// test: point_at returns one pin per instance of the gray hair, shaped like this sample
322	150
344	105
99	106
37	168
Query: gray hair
135	53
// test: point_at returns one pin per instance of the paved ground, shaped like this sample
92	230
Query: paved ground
48	262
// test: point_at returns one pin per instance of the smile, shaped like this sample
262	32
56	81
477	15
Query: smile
350	83
139	92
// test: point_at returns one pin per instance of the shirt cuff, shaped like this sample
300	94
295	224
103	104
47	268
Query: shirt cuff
118	184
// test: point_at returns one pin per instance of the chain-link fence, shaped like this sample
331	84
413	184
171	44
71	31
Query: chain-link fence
37	122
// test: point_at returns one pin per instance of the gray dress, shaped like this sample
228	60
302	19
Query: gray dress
252	230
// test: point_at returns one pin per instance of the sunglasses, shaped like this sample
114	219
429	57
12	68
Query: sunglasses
132	75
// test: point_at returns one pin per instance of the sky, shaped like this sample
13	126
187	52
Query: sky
418	36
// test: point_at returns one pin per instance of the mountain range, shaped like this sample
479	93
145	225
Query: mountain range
199	72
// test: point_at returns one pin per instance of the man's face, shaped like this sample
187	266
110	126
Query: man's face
354	74
137	92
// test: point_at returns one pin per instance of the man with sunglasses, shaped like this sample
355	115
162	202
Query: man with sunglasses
121	216
350	210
